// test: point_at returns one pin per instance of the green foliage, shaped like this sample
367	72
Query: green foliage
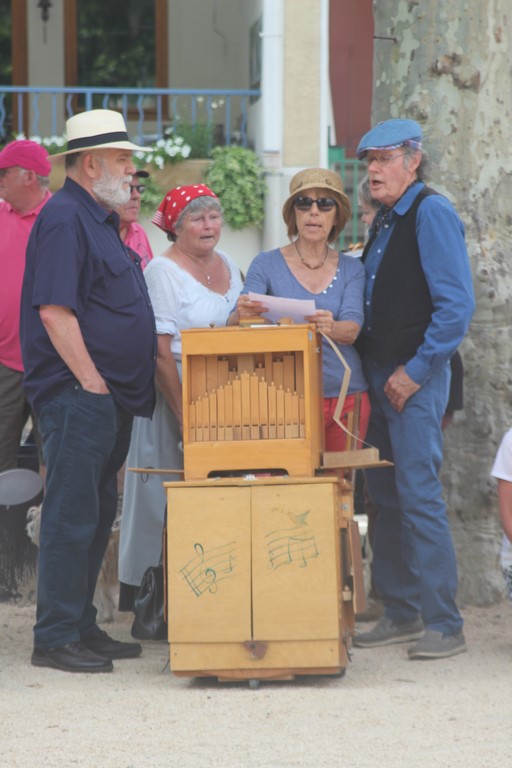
164	152
236	176
52	144
199	137
151	197
115	43
5	44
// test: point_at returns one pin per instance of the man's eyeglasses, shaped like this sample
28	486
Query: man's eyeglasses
139	187
381	160
324	204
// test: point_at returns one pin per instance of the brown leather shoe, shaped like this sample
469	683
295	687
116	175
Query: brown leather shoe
74	657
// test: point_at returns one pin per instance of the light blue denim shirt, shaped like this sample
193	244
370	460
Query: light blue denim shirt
445	262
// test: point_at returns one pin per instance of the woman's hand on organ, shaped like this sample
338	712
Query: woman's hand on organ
323	320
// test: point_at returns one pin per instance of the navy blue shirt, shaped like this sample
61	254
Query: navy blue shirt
76	259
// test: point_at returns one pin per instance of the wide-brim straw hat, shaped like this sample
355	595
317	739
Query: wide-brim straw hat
322	179
97	129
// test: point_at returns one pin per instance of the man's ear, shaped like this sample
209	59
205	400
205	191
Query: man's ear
414	161
91	165
29	177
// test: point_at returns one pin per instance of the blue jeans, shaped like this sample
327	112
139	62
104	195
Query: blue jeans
85	441
414	565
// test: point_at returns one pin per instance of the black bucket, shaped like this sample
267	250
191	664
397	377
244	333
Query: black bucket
20	489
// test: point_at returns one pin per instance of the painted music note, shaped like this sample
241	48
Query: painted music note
292	545
204	571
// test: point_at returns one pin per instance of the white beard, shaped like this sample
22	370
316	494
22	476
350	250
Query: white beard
111	191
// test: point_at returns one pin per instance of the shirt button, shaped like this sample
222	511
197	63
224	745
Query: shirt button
373	277
367	303
379	250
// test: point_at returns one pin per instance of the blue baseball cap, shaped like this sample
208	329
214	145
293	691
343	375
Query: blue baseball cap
391	134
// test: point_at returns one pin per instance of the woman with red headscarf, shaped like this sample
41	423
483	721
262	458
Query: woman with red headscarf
191	285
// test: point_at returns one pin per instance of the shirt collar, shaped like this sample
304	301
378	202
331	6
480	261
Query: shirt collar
408	199
33	211
98	211
385	215
131	230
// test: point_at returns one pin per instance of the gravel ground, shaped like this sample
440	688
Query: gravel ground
386	711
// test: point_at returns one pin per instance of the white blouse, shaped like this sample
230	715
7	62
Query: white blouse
180	301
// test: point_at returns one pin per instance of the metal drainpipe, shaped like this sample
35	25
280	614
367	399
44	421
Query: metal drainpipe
272	118
326	117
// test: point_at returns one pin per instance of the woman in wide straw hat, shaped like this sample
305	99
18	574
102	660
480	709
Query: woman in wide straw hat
308	267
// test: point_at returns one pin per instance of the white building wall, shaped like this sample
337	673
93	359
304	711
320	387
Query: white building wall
295	99
208	44
46	58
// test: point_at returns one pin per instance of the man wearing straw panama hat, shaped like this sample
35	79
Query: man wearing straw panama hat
88	344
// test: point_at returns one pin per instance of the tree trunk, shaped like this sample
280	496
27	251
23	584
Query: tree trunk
448	67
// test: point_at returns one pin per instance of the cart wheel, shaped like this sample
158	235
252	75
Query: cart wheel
254	685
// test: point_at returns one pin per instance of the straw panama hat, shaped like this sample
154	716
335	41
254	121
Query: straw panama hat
97	129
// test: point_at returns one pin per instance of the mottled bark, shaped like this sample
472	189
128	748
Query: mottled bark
449	67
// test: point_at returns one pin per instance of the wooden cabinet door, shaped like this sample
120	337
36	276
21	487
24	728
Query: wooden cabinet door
295	562
209	564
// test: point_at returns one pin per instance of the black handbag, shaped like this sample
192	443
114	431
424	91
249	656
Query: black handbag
149	606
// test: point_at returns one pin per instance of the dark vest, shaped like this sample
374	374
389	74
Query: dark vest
401	302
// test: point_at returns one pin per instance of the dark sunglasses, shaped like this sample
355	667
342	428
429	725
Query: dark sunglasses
323	203
139	187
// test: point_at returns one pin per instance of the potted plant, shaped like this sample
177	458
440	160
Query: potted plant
167	151
236	175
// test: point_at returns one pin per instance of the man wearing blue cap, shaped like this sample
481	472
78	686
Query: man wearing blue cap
418	304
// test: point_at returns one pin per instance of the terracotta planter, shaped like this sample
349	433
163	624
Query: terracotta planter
57	176
184	172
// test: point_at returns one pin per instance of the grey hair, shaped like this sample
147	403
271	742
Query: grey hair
197	205
422	169
364	195
43	181
70	161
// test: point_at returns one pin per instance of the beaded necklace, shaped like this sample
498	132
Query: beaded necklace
309	266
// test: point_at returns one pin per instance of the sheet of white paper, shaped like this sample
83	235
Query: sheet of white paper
278	307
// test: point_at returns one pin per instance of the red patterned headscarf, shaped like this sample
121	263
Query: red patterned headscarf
175	201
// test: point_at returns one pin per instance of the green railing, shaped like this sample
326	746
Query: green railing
351	171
